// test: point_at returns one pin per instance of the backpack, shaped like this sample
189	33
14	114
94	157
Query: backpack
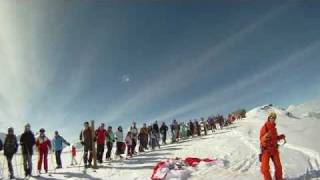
10	145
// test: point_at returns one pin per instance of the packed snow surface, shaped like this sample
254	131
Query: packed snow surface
237	146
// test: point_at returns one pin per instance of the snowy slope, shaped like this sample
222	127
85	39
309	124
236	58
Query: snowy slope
237	145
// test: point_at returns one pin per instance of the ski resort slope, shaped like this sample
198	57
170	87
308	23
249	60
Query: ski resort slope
237	146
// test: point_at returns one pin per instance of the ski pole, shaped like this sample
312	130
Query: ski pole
16	164
52	162
81	159
3	164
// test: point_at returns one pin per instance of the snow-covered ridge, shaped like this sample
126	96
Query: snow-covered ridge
310	109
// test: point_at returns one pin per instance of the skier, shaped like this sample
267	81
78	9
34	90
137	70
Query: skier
43	144
101	134
174	128
129	141
73	155
198	128
191	127
86	140
205	125
153	139
156	130
110	141
120	143
269	148
27	141
163	131
143	138
57	143
184	130
10	147
134	133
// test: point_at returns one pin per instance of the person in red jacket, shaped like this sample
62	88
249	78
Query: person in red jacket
101	134
43	145
269	148
73	155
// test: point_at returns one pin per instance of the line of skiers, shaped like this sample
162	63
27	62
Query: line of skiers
147	137
27	142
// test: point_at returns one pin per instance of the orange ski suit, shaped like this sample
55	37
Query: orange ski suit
269	150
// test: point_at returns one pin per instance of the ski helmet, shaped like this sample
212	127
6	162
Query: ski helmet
42	130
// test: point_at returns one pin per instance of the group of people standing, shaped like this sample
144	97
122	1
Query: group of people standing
147	137
27	142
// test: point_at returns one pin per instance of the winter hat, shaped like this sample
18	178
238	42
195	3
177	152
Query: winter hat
272	115
42	130
10	129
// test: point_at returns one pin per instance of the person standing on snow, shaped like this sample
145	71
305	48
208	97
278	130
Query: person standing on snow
163	130
134	133
143	138
57	143
101	134
269	148
27	141
110	141
86	139
73	155
198	128
191	127
10	147
128	141
120	142
156	132
43	144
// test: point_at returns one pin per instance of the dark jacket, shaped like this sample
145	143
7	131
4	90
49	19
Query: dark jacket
27	141
163	129
155	127
10	145
86	137
0	145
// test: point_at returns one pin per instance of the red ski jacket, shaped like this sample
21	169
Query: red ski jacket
269	137
43	144
101	135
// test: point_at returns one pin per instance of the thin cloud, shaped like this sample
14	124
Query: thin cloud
223	94
185	74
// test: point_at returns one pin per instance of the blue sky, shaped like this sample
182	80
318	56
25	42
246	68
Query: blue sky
65	62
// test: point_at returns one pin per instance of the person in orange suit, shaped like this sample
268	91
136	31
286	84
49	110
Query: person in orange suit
269	139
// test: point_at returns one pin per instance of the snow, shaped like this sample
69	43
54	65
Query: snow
237	146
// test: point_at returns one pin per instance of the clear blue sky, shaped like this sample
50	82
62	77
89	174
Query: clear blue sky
63	62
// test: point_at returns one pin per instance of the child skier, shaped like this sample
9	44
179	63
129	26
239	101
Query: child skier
73	155
128	141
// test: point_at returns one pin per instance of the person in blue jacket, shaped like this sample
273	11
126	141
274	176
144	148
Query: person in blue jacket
57	144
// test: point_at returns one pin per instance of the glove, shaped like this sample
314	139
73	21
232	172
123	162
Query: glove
282	136
82	142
